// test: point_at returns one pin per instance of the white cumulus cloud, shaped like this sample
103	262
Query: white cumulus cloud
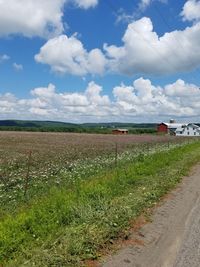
191	10
86	3
67	55
31	18
139	101
143	99
181	89
144	52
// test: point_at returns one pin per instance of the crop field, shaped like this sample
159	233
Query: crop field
34	162
64	196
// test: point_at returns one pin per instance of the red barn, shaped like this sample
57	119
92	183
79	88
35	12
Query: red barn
120	131
162	128
169	128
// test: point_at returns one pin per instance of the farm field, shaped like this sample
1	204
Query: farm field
60	158
64	196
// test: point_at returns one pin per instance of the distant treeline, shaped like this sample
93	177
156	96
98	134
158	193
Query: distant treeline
51	126
75	130
55	129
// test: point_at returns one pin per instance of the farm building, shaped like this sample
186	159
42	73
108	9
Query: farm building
179	129
120	131
168	128
188	130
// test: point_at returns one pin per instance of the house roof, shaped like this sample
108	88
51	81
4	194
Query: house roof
180	128
121	130
194	125
174	125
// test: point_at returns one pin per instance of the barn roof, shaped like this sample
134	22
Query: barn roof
174	125
121	130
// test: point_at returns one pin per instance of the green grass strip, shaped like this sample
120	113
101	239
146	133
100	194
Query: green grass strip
70	226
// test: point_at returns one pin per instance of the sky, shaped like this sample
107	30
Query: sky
100	60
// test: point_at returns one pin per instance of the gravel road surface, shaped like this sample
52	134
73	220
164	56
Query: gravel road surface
172	239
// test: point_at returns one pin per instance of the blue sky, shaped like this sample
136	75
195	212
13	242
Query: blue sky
100	60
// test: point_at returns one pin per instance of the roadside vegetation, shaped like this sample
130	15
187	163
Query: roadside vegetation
70	216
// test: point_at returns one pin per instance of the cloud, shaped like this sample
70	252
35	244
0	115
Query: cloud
4	58
17	67
31	18
139	101
191	10
144	4
44	92
85	4
67	55
67	106
181	89
144	52
146	100
140	8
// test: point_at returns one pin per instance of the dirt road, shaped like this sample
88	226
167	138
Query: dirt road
172	239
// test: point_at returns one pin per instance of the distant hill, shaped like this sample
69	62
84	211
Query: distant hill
22	123
55	126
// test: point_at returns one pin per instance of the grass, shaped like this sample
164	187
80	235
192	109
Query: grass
71	225
60	160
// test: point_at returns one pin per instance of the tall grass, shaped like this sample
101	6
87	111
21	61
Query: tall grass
69	226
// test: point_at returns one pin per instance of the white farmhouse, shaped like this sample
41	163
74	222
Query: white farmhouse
188	130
